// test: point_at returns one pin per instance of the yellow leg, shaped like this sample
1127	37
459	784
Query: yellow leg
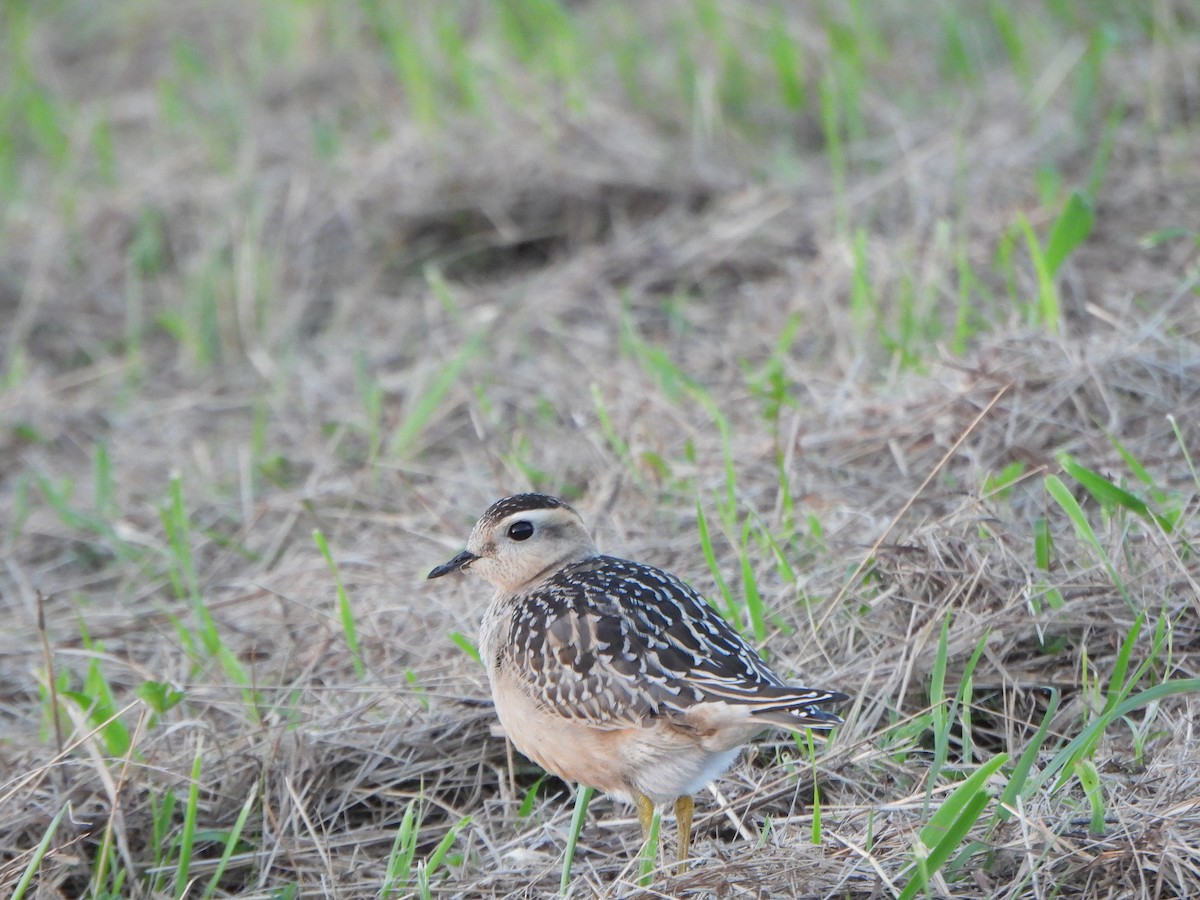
683	820
645	814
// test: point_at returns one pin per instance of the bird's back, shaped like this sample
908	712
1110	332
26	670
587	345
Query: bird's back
615	642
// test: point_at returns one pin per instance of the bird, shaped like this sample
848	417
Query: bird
615	674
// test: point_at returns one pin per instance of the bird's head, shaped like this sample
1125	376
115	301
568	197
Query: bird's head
520	539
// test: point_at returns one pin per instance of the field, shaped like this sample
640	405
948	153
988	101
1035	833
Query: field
877	322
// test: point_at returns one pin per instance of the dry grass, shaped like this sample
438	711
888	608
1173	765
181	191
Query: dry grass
380	340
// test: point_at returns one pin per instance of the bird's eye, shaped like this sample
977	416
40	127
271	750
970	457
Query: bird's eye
520	531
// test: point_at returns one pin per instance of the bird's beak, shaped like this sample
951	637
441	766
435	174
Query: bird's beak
461	561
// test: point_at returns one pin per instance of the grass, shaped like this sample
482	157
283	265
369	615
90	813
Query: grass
949	826
39	853
345	610
876	322
582	799
1070	230
404	870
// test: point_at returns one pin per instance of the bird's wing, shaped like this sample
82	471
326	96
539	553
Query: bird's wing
615	642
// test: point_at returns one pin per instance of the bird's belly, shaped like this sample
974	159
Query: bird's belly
564	747
653	759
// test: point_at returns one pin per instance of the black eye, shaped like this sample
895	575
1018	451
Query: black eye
520	531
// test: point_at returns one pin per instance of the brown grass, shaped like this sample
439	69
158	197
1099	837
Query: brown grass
565	239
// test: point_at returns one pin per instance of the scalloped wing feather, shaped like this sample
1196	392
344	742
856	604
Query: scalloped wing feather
614	642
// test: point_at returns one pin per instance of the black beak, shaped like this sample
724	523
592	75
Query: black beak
461	561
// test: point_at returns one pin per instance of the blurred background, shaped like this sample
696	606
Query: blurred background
290	291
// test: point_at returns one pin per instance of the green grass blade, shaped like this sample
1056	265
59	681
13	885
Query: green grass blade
710	557
1070	230
162	813
582	798
345	611
188	836
1117	687
399	870
615	441
405	436
186	581
787	58
1104	491
104	486
963	699
648	856
950	825
952	806
938	711
754	601
1092	732
815	833
1018	780
832	118
1089	779
783	565
530	798
1183	445
968	814
1083	528
39	853
1047	311
466	645
231	842
58	496
1135	465
1043	543
444	845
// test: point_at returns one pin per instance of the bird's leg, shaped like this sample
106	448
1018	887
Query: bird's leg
645	810
683	820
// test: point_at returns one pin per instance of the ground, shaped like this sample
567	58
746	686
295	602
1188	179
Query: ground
879	323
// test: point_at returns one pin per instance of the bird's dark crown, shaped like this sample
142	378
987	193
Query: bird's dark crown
522	503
